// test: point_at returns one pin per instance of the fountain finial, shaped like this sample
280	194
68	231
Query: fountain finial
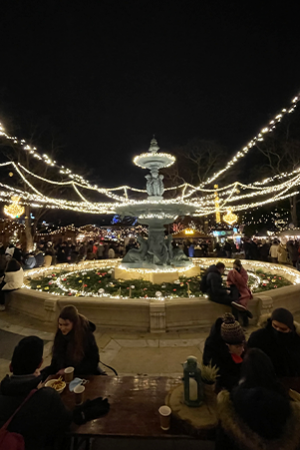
153	145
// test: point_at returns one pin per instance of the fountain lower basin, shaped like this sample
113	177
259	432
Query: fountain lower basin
152	315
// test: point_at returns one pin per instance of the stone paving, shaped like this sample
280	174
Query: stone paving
129	354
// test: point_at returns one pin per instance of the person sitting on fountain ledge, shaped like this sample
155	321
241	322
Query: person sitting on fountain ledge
211	284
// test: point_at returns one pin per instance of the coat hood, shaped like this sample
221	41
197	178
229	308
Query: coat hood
246	439
265	320
213	269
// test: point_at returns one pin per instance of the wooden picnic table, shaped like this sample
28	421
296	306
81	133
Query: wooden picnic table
134	403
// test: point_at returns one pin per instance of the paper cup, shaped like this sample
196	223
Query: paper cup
69	374
165	417
79	394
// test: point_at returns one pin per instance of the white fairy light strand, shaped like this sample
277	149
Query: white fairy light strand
108	192
259	137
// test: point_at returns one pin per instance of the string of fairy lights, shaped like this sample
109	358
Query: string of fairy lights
269	128
272	189
205	204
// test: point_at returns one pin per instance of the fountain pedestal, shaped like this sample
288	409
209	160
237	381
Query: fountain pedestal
158	276
156	252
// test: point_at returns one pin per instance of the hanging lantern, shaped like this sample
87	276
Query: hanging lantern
14	210
192	383
230	217
11	174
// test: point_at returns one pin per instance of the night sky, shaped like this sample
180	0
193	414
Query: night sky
108	74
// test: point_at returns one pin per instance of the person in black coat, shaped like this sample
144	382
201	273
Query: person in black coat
224	348
74	345
264	251
44	417
280	341
257	413
214	288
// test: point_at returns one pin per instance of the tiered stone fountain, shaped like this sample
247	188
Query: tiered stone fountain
155	259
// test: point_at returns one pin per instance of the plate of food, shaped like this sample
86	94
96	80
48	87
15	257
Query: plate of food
58	384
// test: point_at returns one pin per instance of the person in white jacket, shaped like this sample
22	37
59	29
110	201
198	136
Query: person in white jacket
13	279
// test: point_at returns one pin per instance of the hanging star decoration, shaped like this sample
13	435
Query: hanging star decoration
230	217
14	210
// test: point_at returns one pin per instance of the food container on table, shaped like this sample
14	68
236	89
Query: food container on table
51	382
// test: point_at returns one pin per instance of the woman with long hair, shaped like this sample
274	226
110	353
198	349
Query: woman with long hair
74	345
257	414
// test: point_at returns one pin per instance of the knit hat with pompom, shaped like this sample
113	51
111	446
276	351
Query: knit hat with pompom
231	330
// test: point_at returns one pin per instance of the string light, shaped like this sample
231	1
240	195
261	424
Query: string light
73	269
217	205
201	206
80	182
259	137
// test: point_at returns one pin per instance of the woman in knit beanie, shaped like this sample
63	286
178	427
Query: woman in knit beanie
224	348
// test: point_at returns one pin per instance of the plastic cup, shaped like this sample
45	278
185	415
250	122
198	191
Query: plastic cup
79	394
165	417
69	374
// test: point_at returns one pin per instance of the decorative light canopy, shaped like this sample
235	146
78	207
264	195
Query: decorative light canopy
207	201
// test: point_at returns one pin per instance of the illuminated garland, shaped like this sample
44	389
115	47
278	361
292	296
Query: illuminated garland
60	280
259	137
86	184
205	205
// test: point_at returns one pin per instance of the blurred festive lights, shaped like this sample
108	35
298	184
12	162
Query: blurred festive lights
14	210
230	218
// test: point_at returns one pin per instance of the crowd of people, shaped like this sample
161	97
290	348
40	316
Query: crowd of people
282	252
47	254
